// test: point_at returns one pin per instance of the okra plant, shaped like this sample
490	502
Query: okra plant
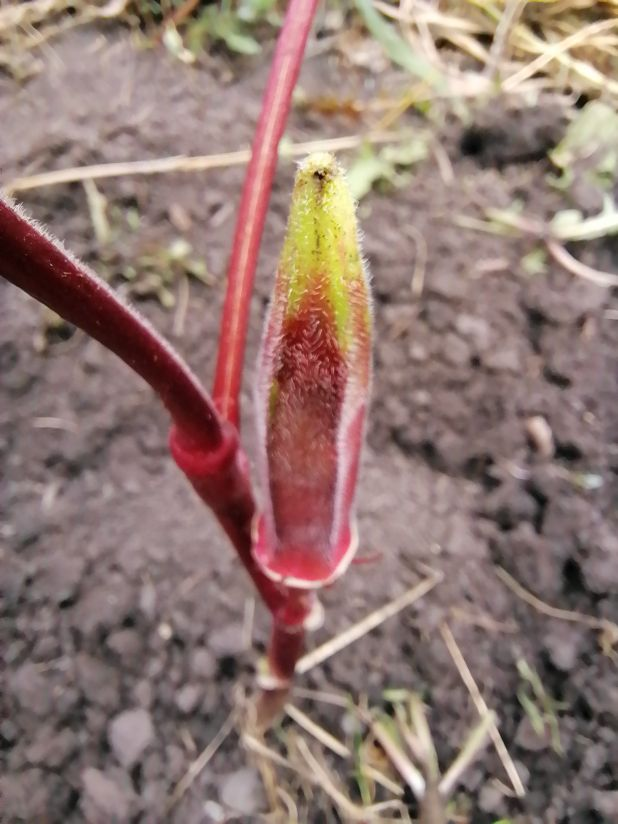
313	375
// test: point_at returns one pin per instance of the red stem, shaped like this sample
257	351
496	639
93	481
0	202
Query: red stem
43	269
254	203
287	639
285	648
204	447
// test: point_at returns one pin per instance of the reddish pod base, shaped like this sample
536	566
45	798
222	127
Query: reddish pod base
302	567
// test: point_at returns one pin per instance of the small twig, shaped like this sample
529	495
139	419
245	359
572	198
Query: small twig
443	161
366	625
420	262
187	740
470	750
25	15
555	612
576	267
422	735
178	15
270	780
477	224
482	708
184	163
380	778
324	780
483	621
201	761
504	223
510	16
316	775
412	740
97	204
48	422
256	746
554	50
186	586
182	306
40	266
319	733
290	806
332	698
404	766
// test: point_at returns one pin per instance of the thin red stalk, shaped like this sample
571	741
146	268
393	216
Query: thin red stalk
254	203
286	647
204	450
284	650
43	269
287	640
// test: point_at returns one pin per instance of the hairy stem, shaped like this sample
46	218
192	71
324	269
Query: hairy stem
254	203
204	447
286	647
298	611
30	259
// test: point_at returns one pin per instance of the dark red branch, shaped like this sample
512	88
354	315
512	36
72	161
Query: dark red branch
254	203
43	269
204	447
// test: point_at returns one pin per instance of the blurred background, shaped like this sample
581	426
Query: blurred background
481	141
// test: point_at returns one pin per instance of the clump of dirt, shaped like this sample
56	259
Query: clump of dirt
122	607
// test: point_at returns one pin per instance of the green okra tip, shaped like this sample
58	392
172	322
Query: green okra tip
319	165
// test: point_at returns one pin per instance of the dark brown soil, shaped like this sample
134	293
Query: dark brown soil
122	606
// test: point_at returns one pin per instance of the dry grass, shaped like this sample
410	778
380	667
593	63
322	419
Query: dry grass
474	48
363	775
482	48
27	27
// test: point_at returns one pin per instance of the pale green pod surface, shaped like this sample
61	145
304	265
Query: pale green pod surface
313	384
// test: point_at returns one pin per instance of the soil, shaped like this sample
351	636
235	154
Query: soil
123	609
